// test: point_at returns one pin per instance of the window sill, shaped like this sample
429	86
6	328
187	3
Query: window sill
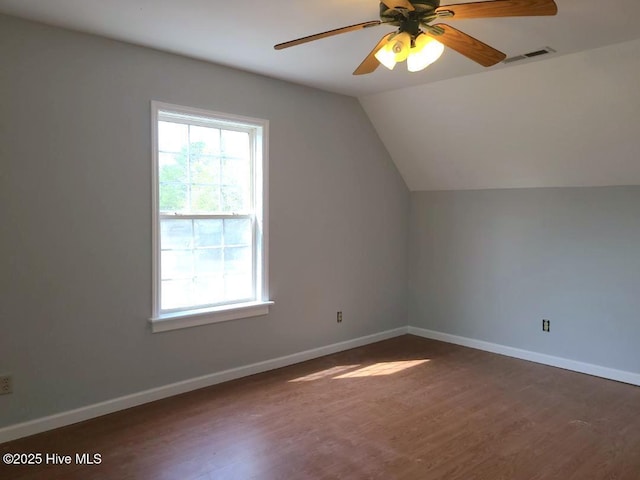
194	318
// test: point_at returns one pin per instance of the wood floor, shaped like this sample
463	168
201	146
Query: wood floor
405	408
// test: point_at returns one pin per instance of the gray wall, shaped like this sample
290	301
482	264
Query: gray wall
75	204
491	264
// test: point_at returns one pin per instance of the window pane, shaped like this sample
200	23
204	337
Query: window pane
176	234
173	197
208	290
208	233
236	185
176	294
238	287
237	232
237	260
209	262
235	144
172	137
235	172
204	199
177	264
205	169
205	140
233	199
173	168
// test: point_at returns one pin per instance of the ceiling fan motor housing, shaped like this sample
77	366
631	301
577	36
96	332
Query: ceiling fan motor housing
408	21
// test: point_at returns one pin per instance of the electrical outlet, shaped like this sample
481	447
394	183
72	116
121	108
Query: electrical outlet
546	325
5	384
339	317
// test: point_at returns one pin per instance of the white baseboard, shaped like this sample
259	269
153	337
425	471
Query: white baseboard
581	367
39	425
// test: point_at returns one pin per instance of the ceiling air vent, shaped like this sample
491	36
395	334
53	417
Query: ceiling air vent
524	56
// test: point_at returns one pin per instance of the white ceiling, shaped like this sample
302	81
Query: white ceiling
567	119
242	34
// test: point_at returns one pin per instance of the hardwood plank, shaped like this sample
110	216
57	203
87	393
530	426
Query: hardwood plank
460	414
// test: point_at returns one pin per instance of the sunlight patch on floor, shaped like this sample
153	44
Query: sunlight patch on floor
324	373
375	370
383	368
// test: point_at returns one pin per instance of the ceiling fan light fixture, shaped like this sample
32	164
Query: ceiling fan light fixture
386	57
401	46
426	51
395	50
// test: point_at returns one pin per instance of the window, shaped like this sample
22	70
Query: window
209	217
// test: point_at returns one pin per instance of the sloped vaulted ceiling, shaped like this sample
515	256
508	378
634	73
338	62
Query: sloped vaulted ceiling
567	121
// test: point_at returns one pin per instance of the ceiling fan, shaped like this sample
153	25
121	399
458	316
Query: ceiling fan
421	42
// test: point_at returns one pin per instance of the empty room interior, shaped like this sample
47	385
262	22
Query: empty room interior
402	244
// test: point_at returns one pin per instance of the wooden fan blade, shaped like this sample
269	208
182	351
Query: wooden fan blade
370	63
330	33
501	8
399	3
468	46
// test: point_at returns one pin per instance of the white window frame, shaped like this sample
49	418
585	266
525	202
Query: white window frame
188	317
